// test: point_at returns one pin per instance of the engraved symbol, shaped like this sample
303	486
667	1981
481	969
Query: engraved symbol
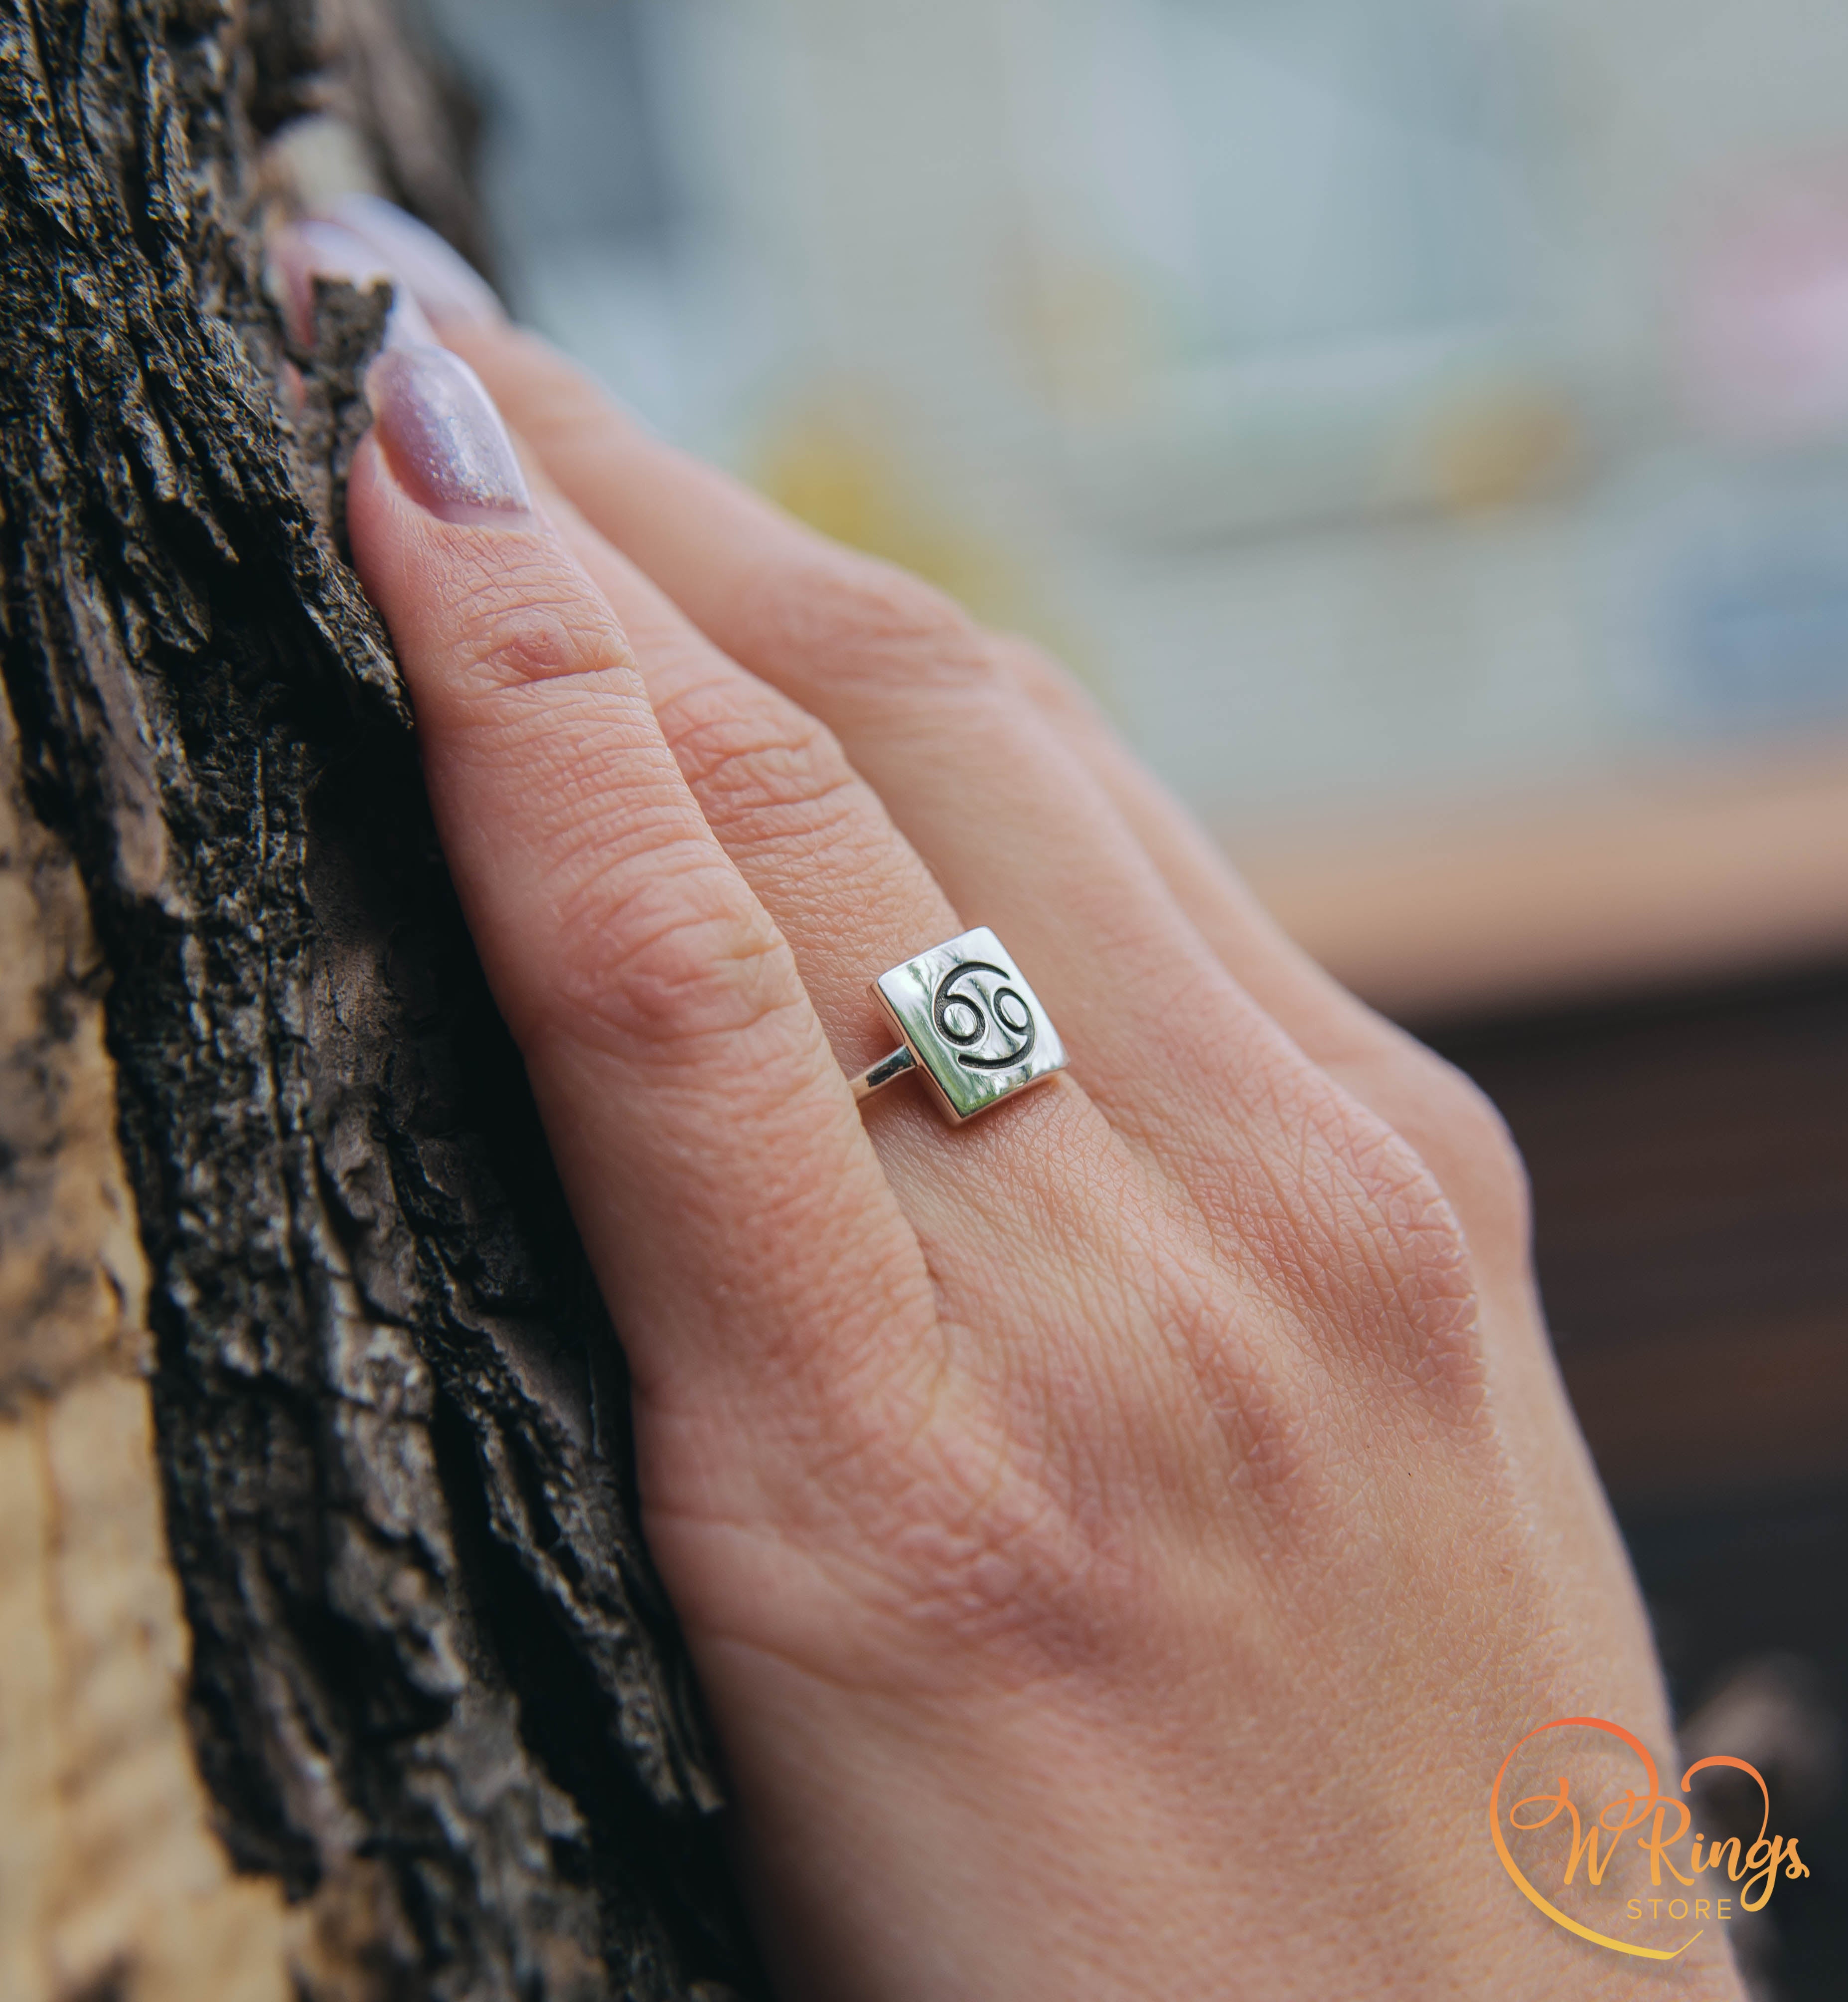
986	1022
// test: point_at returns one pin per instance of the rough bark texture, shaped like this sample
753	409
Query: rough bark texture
109	1872
443	1723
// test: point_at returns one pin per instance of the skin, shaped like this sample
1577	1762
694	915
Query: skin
1119	1540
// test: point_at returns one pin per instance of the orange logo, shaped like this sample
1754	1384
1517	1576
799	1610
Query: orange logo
1717	1877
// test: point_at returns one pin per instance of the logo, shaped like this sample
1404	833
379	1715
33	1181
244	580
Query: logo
986	1022
1551	1834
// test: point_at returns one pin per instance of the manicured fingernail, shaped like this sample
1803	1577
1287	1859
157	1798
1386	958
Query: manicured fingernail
442	436
446	287
302	252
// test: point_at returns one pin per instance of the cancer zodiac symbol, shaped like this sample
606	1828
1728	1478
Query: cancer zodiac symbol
985	1020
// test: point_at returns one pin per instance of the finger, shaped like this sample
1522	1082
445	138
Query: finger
449	291
305	251
560	412
1173	1049
1454	1128
671	514
1261	1148
1444	1115
1013	826
1165	1034
807	834
710	1148
1450	1122
820	852
847	893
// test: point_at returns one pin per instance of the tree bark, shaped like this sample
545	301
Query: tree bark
331	1662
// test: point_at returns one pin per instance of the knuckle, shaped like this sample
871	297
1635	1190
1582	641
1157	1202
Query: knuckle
677	961
1466	1133
1263	1409
763	760
1408	1267
864	621
1048	685
1371	1258
528	626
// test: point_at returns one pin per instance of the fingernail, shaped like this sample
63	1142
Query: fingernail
442	436
299	253
446	286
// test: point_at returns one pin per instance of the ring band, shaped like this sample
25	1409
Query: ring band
877	1076
972	1027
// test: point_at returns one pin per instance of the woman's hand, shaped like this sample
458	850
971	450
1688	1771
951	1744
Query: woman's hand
1120	1539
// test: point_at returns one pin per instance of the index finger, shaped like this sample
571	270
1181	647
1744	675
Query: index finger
707	1138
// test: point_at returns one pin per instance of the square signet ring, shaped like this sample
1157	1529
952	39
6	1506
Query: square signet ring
972	1026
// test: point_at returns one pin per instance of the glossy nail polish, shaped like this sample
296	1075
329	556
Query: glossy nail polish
443	437
447	288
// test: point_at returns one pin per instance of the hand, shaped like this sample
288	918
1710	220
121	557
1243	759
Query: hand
1119	1540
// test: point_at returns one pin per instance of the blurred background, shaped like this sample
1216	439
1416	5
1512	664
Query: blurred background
1424	423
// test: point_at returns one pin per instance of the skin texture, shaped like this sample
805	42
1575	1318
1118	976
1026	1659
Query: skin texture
1120	1539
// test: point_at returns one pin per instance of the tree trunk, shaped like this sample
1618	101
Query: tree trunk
331	1662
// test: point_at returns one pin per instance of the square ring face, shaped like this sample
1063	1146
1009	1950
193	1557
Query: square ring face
975	1027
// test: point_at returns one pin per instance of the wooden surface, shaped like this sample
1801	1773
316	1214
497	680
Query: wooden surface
1679	872
112	1882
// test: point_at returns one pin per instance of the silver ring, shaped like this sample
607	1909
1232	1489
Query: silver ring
972	1027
